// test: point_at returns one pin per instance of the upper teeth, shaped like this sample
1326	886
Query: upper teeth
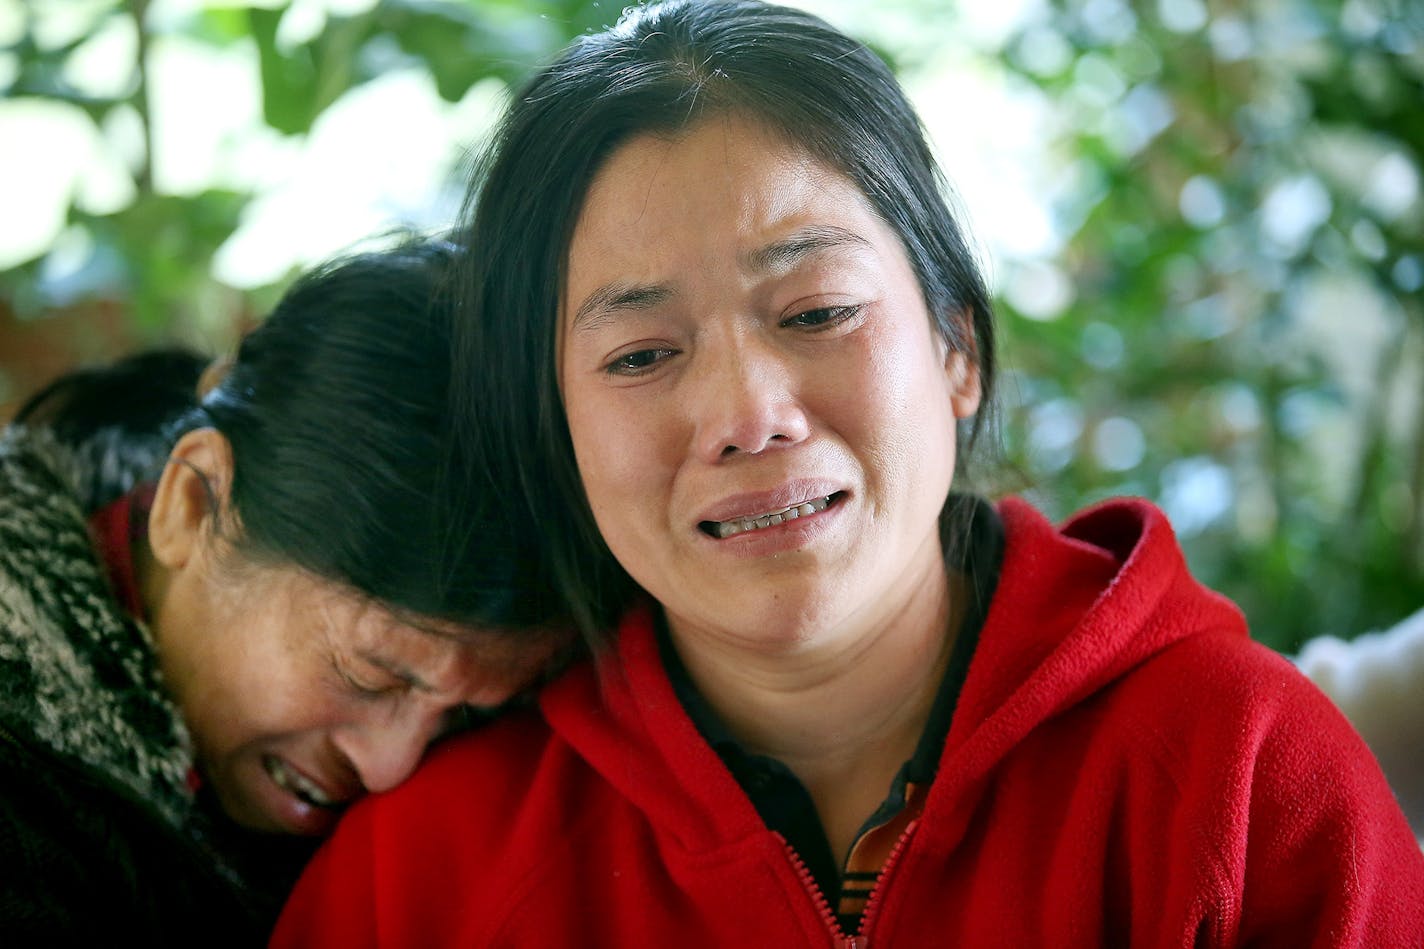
296	782
743	524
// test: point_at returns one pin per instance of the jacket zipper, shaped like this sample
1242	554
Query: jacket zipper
823	907
877	894
860	939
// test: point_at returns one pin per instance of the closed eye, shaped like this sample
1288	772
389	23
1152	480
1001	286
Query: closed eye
823	317
368	688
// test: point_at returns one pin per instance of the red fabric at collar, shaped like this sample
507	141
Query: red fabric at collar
114	529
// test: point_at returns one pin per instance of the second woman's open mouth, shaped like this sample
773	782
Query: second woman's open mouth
298	784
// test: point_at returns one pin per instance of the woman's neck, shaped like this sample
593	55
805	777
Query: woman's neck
844	711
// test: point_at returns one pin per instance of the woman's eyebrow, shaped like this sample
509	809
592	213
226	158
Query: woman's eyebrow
614	297
784	254
778	256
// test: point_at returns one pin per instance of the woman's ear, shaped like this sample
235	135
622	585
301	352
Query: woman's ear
964	389
961	367
193	488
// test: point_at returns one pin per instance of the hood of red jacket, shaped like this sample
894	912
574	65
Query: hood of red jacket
1076	608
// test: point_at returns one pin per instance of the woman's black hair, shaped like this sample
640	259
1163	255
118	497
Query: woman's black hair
117	419
663	68
334	408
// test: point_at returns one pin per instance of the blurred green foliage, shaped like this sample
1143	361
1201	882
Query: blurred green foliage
1246	330
1233	325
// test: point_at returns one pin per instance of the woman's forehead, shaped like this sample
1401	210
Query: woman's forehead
346	621
726	185
725	152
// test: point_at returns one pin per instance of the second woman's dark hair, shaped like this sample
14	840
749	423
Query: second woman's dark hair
334	407
117	418
663	68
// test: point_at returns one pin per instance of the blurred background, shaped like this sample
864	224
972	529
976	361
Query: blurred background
1203	221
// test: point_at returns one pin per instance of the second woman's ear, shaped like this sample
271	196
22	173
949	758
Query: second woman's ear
191	495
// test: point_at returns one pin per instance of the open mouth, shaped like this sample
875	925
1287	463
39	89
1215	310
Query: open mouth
741	525
297	784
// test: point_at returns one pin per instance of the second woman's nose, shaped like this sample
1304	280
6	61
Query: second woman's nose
385	754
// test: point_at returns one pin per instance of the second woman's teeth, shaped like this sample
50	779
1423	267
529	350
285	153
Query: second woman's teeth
290	780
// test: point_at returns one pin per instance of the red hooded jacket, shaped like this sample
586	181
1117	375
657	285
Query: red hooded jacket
1124	767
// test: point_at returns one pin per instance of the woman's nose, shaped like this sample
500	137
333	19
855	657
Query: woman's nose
384	754
745	401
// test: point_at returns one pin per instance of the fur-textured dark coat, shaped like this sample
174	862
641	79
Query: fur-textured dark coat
100	837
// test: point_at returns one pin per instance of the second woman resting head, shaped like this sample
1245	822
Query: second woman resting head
315	621
310	618
263	603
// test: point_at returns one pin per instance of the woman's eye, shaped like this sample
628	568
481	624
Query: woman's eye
366	688
638	362
823	317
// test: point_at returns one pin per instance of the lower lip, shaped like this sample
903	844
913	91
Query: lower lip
291	813
787	536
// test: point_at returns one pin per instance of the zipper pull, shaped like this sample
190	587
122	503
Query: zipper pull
854	942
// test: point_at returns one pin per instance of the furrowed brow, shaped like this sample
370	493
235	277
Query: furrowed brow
785	254
604	302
